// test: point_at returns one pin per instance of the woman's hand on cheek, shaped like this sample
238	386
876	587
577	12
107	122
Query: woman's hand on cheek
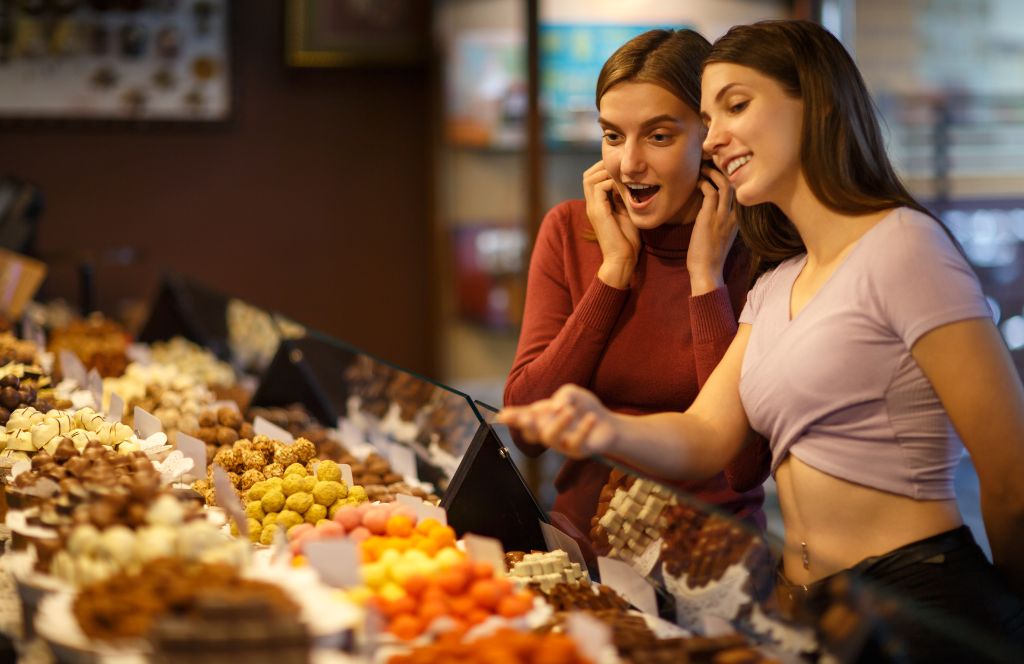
617	237
713	233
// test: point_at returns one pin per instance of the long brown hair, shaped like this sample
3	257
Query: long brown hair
842	153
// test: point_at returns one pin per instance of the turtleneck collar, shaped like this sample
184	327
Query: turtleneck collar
667	240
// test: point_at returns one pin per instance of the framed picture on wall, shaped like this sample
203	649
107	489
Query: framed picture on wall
159	61
348	33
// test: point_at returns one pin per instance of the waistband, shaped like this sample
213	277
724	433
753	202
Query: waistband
930	549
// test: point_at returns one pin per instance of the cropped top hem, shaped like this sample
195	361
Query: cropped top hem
918	490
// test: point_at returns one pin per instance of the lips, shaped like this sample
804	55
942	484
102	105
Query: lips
736	163
641	193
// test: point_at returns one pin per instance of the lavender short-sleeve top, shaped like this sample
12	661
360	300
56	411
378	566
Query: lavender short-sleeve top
837	386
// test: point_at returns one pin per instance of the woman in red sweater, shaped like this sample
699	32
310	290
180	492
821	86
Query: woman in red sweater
634	293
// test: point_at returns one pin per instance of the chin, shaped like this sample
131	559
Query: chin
748	198
646	223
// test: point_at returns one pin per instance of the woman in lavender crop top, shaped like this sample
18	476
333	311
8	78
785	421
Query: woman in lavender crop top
866	353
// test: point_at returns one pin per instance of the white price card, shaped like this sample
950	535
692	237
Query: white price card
31	331
403	460
146	424
645	562
195	449
556	539
72	368
115	410
486	550
262	427
336	560
94	383
349	432
228	499
346	474
593	638
623	579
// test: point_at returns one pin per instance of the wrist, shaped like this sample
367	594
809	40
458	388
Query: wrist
615	274
704	281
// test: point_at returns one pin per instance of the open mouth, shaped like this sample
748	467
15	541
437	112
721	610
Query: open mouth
642	192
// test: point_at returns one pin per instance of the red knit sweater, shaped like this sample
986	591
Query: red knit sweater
646	349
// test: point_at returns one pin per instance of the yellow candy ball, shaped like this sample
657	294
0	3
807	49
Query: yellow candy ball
326	493
292	484
289	518
295	469
328	471
273	501
254	510
299	502
315	514
257	491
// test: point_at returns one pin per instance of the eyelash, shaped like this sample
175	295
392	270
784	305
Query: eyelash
736	108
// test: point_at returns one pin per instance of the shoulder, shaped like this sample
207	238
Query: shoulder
907	233
567	216
910	240
565	223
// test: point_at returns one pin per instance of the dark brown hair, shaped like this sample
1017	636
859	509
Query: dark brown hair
672	59
842	153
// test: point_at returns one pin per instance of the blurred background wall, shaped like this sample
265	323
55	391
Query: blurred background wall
314	198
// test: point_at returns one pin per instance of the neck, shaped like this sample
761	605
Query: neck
826	234
688	213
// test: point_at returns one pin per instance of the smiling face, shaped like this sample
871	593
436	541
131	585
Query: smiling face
754	133
652	149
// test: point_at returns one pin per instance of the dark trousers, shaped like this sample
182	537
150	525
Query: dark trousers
935	600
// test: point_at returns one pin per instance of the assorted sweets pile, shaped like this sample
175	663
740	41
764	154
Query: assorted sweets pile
193	360
146	562
505	646
21	390
127	604
29	432
629	516
101	344
699	547
172	396
17	351
298	497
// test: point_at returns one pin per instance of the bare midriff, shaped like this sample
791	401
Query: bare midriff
832	524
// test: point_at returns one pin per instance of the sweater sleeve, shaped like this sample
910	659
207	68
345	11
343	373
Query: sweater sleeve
559	343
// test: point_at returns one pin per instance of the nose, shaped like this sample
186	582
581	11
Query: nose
715	139
633	161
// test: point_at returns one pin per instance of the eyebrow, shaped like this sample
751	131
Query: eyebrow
704	117
656	120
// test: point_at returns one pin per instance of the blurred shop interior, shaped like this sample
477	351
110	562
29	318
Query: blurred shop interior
378	174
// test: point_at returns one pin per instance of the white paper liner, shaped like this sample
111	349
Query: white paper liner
722	598
323	609
662	628
791	638
56	623
17	521
21	565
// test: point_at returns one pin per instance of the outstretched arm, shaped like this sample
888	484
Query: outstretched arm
693	445
974	377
